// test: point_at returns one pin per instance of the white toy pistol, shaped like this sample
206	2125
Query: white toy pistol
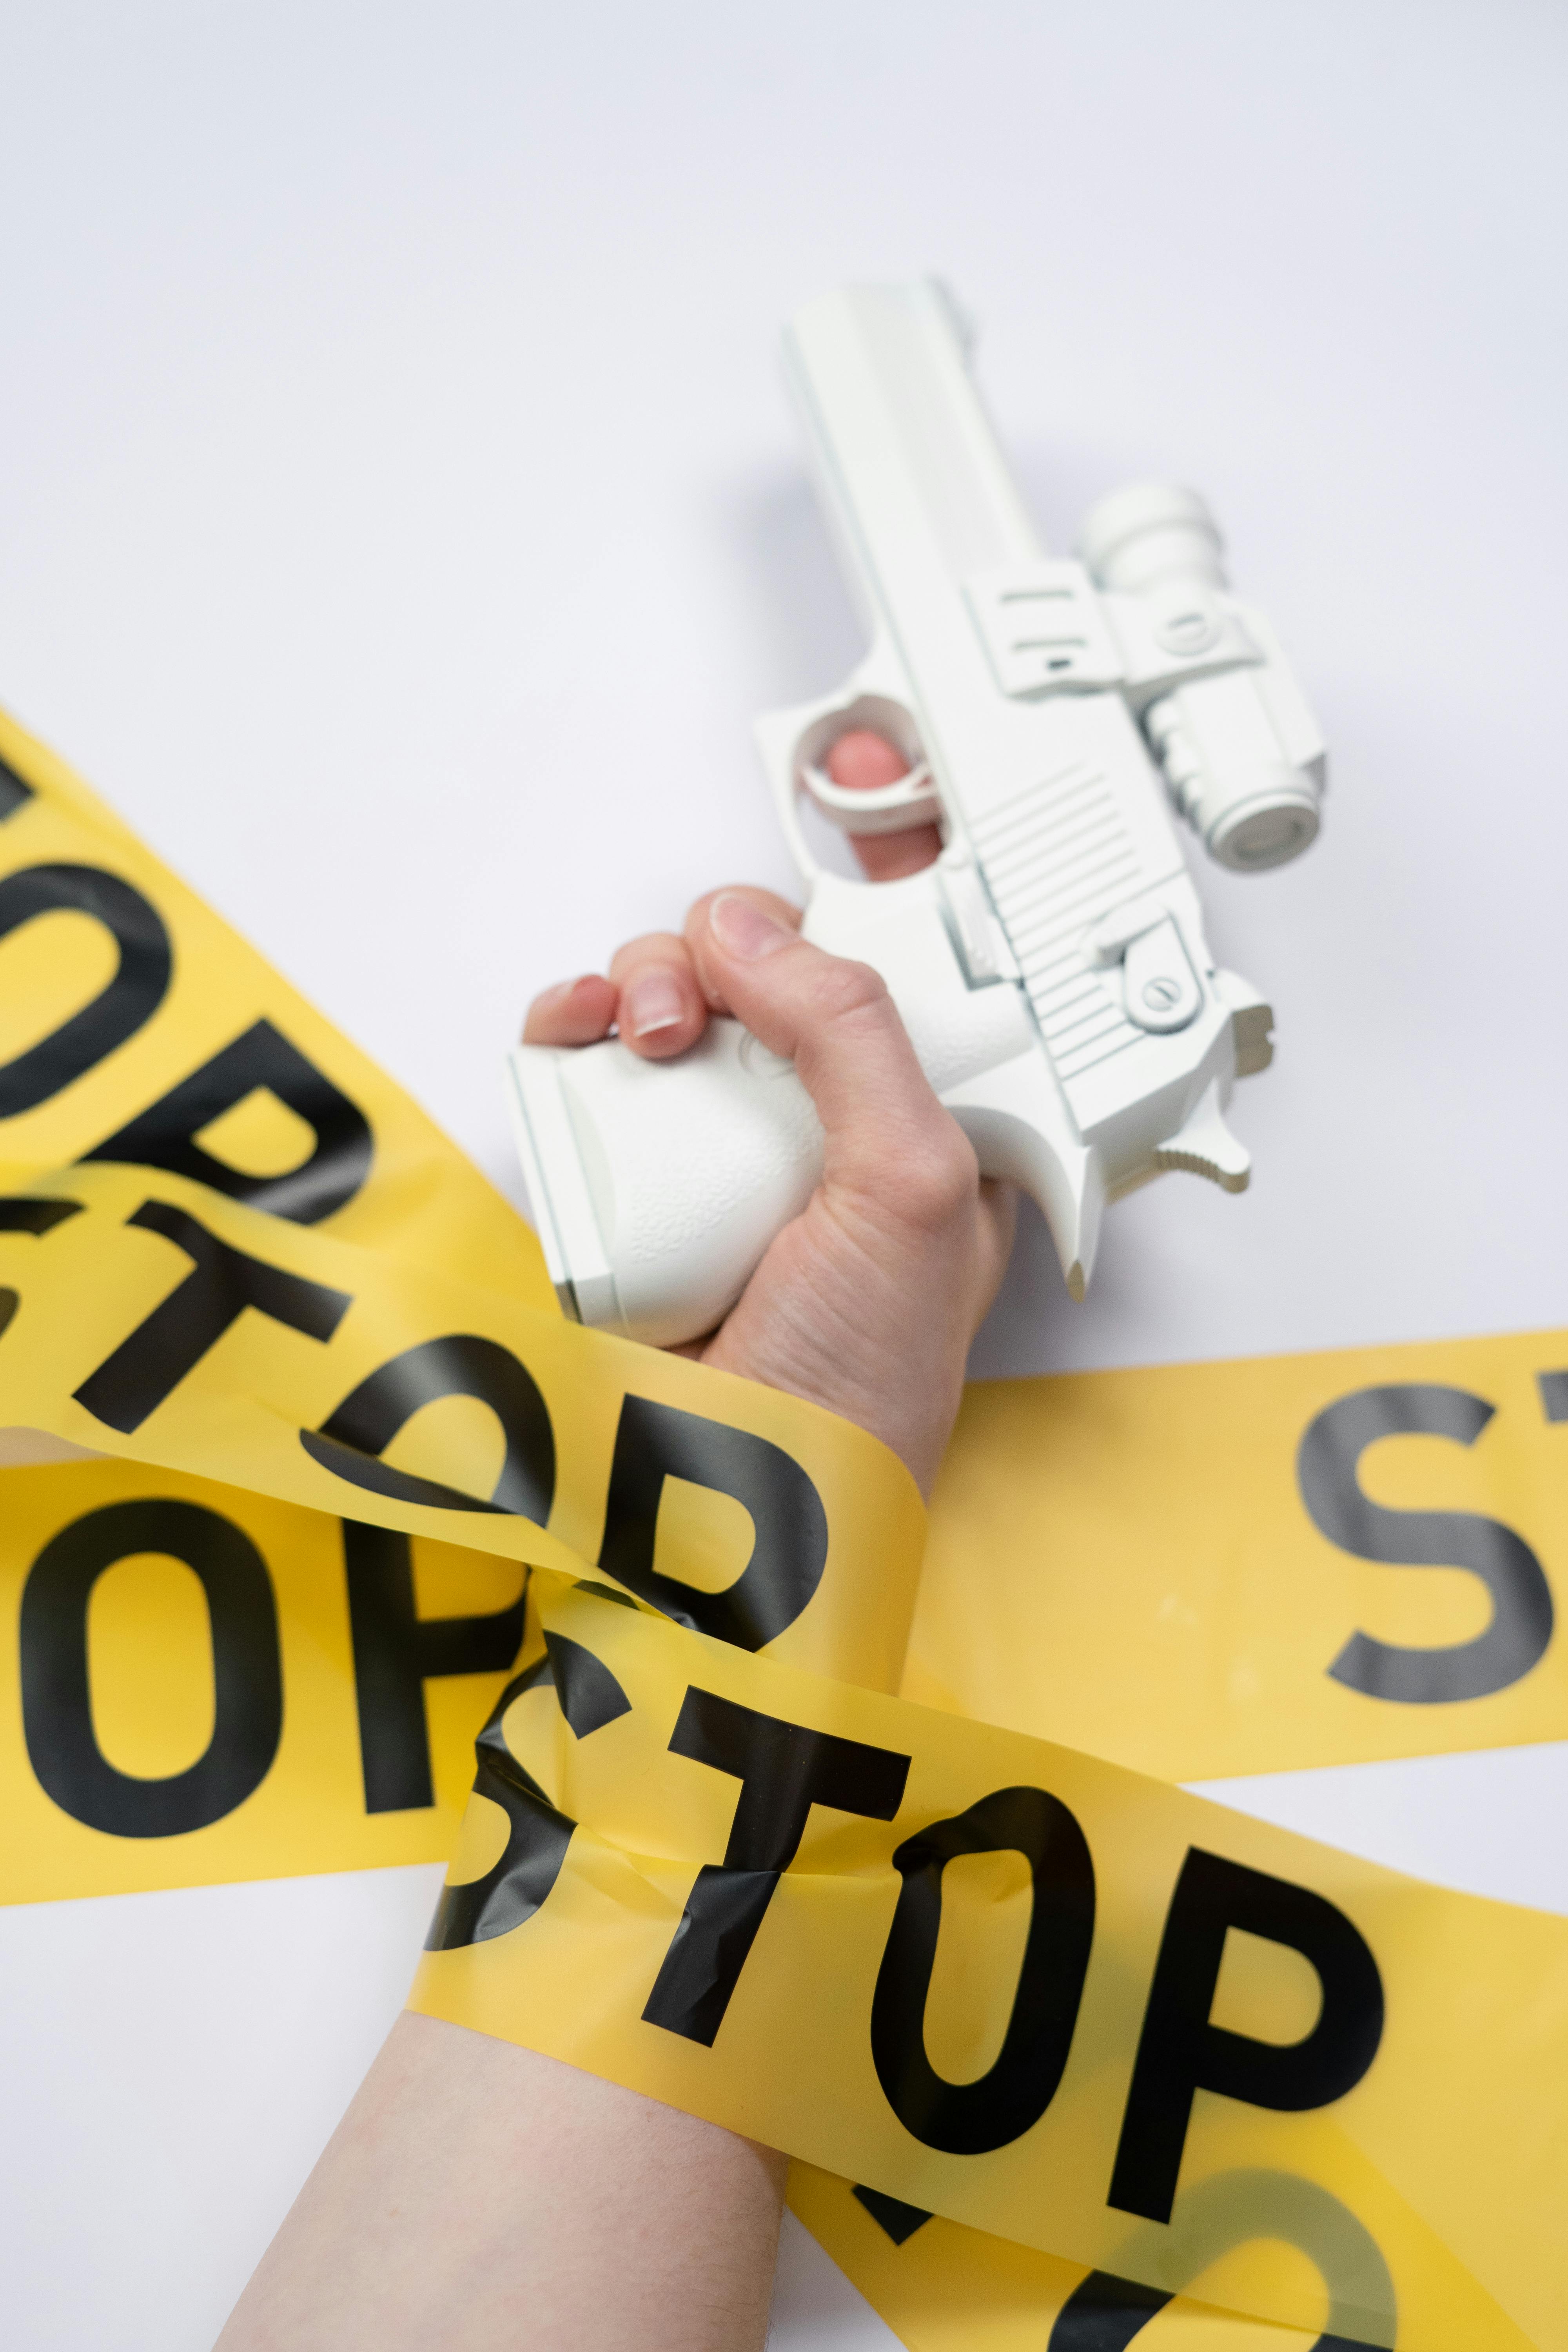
1051	967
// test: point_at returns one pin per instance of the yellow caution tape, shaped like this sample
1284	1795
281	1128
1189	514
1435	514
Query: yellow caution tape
1203	1569
182	1329
1010	1983
1082	2018
136	1026
212	1685
944	2288
1155	1516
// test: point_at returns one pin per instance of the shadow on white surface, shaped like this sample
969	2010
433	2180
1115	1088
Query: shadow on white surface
815	2309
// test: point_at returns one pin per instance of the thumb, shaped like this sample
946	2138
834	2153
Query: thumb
887	1139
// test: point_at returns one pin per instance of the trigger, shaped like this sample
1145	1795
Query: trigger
909	800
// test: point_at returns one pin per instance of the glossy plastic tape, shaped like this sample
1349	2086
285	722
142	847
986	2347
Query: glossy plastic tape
1251	1566
1058	2021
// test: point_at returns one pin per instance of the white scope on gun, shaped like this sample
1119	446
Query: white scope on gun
1239	749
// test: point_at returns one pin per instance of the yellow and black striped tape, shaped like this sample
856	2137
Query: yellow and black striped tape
333	1488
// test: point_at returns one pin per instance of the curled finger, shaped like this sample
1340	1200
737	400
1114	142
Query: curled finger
659	1005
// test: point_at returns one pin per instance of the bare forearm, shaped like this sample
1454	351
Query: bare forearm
477	2195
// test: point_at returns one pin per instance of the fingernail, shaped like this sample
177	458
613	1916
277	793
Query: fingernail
742	929
653	1003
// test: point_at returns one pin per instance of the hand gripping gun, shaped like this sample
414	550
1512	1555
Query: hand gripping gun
1051	967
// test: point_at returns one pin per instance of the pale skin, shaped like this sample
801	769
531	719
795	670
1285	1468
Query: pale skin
478	2196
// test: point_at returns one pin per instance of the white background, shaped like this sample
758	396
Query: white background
400	523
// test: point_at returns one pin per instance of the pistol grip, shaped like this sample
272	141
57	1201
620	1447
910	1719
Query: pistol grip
657	1186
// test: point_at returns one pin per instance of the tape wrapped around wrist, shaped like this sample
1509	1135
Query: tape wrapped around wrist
1099	2030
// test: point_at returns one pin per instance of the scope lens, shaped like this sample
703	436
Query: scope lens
1264	832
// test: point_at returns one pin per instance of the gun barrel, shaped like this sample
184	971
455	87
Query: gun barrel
907	462
1043	780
